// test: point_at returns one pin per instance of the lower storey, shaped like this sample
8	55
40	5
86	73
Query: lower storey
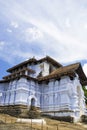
24	111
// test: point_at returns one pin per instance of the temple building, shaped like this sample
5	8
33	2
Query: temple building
52	88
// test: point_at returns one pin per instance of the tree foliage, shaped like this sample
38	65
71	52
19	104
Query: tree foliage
85	93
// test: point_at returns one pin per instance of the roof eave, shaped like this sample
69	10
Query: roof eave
22	63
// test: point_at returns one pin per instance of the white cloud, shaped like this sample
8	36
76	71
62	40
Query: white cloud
56	26
14	24
32	34
67	23
2	44
9	30
85	25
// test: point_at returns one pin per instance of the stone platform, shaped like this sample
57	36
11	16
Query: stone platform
37	121
14	110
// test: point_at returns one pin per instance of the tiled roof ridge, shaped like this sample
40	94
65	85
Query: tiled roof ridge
31	71
33	60
20	64
74	66
16	77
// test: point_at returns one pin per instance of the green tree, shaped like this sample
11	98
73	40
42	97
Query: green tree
85	93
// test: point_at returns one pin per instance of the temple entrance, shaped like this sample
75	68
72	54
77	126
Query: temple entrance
33	102
33	110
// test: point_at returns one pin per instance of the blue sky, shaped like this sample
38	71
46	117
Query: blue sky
57	28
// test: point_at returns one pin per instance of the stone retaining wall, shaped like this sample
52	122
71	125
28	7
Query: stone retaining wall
15	110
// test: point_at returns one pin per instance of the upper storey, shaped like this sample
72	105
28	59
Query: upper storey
34	61
34	68
45	69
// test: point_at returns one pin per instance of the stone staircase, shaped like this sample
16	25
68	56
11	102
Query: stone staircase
34	113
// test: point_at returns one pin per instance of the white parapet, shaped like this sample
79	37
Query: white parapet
38	121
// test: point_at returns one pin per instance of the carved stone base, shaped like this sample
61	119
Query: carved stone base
21	111
34	113
59	115
15	110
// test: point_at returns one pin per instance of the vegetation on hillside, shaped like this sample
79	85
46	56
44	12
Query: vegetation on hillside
85	93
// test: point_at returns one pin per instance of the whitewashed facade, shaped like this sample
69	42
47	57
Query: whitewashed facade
55	94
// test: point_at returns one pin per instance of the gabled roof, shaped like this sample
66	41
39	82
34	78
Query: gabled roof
50	60
17	77
35	61
18	72
69	70
32	60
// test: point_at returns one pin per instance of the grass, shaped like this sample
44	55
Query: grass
9	123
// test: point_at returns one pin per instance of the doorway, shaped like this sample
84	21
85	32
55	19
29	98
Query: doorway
33	102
